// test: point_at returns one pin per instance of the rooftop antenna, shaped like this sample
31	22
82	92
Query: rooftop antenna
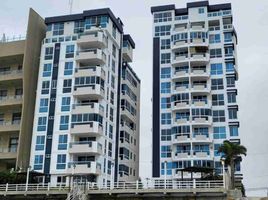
71	6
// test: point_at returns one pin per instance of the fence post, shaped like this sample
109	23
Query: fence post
137	185
6	187
48	186
194	183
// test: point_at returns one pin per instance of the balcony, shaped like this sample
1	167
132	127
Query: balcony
11	100
90	71
11	75
127	128
199	73
180	74
90	129
179	44
182	155
91	57
181	89
201	154
228	27
9	126
92	40
82	108
201	139
89	92
128	53
202	120
199	42
85	147
181	139
200	103
199	58
197	28
84	167
182	121
8	153
180	106
180	60
200	89
125	113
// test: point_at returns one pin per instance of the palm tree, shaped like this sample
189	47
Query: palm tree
232	152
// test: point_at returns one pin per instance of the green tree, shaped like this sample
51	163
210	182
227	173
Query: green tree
232	153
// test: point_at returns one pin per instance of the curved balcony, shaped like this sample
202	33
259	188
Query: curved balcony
85	147
179	44
91	129
201	139
181	139
89	92
90	71
92	40
82	108
91	57
200	104
84	167
202	154
180	75
199	58
181	89
197	74
180	60
197	28
180	106
181	155
199	42
182	121
202	121
200	89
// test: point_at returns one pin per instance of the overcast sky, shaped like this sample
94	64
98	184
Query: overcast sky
251	23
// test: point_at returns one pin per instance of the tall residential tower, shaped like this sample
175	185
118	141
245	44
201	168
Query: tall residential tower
86	87
194	86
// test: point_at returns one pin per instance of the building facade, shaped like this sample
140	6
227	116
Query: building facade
19	60
76	128
194	86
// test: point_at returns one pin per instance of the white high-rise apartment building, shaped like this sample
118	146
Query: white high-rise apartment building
84	84
194	87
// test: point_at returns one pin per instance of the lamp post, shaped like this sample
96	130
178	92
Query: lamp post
223	172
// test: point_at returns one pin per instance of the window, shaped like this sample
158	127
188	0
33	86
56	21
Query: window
165	44
231	97
219	132
165	152
38	162
166	118
48	53
229	51
165	72
183	115
165	87
218	116
40	143
69	51
201	10
166	135
43	105
217	84
18	92
233	131
229	67
214	38
179	37
217	99
13	144
62	144
216	69
47	70
97	21
165	102
165	58
216	148
112	114
230	81
114	31
201	131
79	26
215	53
42	122
201	113
61	161
114	51
162	30
45	87
58	29
168	167
67	86
68	68
49	27
232	113
162	17
64	122
228	37
65	103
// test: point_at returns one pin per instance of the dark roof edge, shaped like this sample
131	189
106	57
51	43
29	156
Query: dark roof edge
129	38
197	4
133	72
162	8
86	13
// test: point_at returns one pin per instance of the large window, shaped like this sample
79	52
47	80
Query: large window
165	152
166	118
166	135
40	143
98	21
69	51
61	161
215	53
219	132
43	105
67	86
228	37
216	69
64	122
232	113
79	26
58	29
200	131
38	162
229	67
48	53
47	70
62	144
65	103
229	51
162	17
217	99
231	97
165	87
218	116
162	30
165	58
165	72
165	102
216	149
45	87
165	44
214	38
42	124
230	81
233	131
201	113
68	68
169	166
217	84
